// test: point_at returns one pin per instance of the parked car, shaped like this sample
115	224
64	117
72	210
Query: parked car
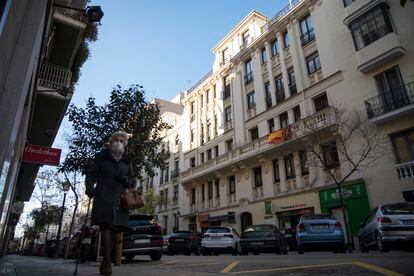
386	226
185	242
320	232
165	244
262	238
144	237
219	239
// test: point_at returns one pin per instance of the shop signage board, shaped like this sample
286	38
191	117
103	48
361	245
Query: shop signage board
348	191
41	155
268	210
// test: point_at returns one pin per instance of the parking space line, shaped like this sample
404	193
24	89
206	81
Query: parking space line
198	264
229	267
288	268
378	269
170	262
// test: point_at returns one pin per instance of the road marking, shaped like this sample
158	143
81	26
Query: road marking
199	264
378	269
229	267
288	268
170	262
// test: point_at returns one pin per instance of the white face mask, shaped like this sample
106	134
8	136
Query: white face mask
117	147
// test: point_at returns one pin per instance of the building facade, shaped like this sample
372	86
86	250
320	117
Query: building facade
39	43
282	73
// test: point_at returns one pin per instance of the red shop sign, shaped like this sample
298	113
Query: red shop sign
41	155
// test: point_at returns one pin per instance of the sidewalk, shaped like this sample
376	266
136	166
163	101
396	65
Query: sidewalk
12	265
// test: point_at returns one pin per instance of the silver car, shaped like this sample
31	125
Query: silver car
388	225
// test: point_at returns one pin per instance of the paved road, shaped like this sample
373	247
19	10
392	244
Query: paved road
375	263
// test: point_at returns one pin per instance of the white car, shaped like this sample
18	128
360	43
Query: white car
219	239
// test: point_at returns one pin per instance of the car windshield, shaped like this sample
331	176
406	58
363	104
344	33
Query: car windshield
259	228
397	209
218	230
317	216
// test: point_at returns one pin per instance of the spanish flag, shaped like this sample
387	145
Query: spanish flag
275	137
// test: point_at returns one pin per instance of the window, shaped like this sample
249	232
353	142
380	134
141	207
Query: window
289	167
251	100
306	28
371	26
192	162
229	145
210	189
202	135
209	154
271	124
192	135
225	56
286	39
257	172
203	192
226	93
161	176
391	86
330	155
167	173
245	37
215	125
268	97
208	132
202	157
202	100
276	173
348	2
232	184
303	156
264	55
292	81
321	102
217	183
280	91
249	71
192	107
216	150
227	114
207	96
284	120
296	113
274	47
254	133
193	196
175	196
313	63
403	145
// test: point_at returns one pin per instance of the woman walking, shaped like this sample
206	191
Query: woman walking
112	173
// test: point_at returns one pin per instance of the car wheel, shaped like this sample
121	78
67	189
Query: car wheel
380	243
156	256
129	258
198	250
362	246
235	250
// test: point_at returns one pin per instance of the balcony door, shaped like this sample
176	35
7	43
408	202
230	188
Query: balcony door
391	88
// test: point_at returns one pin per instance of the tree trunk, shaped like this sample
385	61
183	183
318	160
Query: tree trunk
344	214
72	222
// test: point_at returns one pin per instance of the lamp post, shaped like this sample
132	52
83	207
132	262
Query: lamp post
65	187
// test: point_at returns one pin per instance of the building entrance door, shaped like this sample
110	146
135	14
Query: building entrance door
246	220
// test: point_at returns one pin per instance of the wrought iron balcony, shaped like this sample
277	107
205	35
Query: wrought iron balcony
292	4
53	76
248	78
280	96
175	173
307	37
390	100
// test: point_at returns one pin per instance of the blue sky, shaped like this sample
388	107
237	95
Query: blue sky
163	45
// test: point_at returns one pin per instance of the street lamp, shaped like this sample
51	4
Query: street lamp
65	188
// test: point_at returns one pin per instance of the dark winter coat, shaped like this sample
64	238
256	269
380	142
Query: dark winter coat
112	178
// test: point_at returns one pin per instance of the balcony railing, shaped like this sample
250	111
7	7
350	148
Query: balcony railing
226	92
313	122
405	170
73	14
248	78
307	37
293	89
390	100
292	4
53	76
280	96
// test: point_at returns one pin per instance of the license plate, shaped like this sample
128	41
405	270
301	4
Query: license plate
179	239
257	243
142	241
216	237
320	226
409	221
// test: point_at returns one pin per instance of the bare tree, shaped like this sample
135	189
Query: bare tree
341	142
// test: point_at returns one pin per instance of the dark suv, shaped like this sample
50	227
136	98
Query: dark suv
144	237
184	242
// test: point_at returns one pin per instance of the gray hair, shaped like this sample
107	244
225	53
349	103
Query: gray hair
123	134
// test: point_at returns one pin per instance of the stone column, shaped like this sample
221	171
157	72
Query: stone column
270	72
258	81
283	65
298	60
282	174
298	171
